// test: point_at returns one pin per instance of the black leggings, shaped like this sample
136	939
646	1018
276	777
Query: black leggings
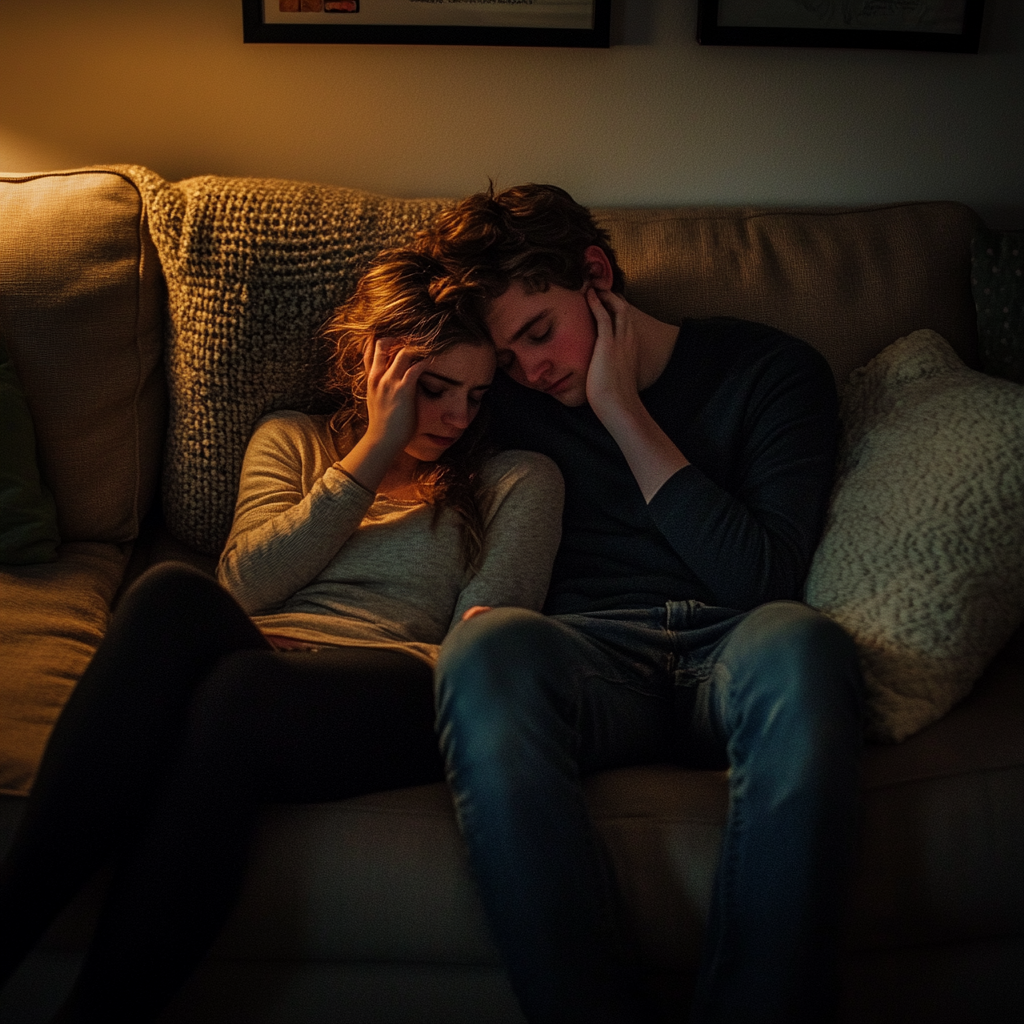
183	725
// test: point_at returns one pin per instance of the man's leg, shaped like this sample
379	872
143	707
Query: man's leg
785	693
525	703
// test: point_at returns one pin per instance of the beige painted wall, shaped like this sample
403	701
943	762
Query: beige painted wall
655	120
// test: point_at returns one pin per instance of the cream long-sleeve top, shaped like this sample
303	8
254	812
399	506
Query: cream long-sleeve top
314	556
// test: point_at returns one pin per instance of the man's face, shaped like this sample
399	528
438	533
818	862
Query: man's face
545	339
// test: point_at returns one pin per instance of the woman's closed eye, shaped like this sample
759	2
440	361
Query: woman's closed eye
538	336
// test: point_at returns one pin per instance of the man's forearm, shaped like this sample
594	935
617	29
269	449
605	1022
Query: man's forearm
651	454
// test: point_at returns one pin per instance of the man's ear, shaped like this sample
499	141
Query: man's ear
597	267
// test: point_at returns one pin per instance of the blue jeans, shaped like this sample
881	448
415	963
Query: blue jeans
528	704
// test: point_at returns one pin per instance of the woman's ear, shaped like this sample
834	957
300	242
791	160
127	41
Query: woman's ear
597	268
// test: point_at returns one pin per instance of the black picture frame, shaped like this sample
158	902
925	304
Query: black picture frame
257	30
711	32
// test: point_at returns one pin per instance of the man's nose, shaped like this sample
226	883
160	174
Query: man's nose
535	371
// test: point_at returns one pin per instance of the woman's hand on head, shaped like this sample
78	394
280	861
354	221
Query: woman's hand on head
392	373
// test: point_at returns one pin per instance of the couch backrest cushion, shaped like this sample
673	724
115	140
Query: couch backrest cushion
81	314
253	267
849	281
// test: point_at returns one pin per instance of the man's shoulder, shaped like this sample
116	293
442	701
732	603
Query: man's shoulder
713	349
729	338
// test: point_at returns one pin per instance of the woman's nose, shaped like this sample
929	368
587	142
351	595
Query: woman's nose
457	415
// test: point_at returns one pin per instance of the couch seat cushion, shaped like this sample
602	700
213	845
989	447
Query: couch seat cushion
54	615
383	878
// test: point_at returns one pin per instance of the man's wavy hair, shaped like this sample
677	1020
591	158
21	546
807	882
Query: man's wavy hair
536	234
397	298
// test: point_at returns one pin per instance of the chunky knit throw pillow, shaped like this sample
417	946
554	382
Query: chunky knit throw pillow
253	268
922	559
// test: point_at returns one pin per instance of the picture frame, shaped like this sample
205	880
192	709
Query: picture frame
952	26
439	22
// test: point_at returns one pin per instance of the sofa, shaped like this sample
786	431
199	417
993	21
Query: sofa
151	323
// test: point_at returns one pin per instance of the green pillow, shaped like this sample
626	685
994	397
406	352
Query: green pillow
997	277
28	515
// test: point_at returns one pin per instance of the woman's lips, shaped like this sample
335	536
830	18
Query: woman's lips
559	385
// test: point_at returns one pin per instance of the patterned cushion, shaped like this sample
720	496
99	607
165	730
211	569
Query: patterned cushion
922	560
997	277
253	267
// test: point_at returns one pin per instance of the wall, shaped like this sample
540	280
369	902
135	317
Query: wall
656	120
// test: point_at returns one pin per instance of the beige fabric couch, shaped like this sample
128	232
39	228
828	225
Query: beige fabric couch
363	910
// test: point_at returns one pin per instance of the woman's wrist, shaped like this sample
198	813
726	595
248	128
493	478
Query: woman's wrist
368	460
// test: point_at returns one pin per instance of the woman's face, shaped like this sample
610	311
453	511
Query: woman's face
448	397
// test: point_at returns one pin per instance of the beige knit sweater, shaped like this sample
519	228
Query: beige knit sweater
314	556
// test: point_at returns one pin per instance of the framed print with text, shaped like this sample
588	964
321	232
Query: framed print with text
950	25
470	22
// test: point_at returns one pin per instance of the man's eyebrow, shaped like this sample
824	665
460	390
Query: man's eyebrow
528	325
452	380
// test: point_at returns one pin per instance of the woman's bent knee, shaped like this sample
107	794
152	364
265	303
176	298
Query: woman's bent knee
167	586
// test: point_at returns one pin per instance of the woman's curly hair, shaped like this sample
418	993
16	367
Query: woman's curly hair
398	297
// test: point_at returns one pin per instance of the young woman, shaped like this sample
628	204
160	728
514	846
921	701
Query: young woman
359	540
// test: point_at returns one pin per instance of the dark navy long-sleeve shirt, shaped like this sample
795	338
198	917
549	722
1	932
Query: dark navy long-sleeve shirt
754	410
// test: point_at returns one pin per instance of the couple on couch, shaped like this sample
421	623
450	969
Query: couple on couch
378	625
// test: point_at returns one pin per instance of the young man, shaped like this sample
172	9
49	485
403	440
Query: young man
698	461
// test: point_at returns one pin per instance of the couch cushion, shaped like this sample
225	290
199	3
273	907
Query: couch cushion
253	267
81	315
53	618
848	281
922	559
28	515
383	878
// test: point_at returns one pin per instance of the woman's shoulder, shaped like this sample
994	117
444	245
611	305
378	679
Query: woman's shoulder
291	428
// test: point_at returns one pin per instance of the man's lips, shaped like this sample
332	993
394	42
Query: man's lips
560	385
439	439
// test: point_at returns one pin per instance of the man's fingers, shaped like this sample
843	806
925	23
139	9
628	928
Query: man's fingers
598	308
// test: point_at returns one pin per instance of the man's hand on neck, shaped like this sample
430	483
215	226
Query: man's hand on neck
631	352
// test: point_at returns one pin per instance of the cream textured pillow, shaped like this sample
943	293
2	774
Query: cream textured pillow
922	559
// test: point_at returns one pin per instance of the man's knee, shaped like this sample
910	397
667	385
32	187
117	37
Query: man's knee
797	638
792	655
494	683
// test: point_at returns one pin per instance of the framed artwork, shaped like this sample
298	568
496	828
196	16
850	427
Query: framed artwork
950	25
446	22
